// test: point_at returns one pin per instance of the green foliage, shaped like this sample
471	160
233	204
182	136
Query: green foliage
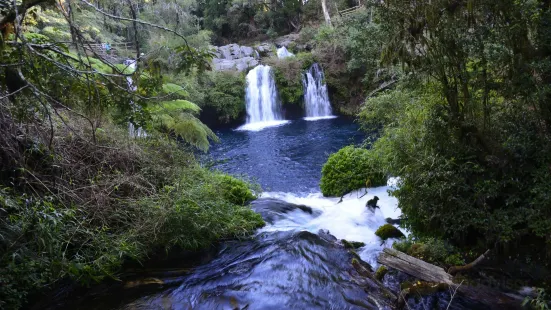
432	250
221	95
153	195
540	302
388	231
349	169
288	73
234	190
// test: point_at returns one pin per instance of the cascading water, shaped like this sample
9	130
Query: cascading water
282	52
261	99
316	97
132	130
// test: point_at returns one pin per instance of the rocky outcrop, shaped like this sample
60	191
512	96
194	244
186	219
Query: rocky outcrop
233	57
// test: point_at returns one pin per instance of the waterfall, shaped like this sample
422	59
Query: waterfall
132	130
282	52
316	98
261	99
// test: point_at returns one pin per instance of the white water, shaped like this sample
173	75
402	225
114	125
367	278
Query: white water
132	130
349	220
316	97
262	100
282	52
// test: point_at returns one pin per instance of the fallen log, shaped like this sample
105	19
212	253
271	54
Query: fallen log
424	271
455	269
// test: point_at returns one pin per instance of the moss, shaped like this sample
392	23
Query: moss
380	273
349	169
388	231
352	244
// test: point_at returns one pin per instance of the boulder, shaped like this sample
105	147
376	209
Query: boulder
247	51
388	231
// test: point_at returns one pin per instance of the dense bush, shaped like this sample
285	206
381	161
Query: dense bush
121	200
288	74
220	95
432	250
349	169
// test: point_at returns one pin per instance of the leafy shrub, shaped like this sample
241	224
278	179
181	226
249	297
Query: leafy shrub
234	190
431	250
349	169
121	200
288	73
388	231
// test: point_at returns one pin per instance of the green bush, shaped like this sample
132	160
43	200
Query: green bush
288	73
388	231
431	250
349	169
125	201
234	190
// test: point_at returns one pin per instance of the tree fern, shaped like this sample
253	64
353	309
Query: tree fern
170	88
177	117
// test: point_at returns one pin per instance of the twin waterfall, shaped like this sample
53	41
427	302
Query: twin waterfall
316	98
263	108
262	100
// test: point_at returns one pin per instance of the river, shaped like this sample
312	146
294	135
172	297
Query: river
296	260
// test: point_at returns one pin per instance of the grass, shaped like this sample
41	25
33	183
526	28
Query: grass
80	209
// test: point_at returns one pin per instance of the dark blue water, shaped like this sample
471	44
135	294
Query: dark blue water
287	158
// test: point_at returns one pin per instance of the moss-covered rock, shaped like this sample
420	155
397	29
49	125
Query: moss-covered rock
388	231
349	169
352	244
380	273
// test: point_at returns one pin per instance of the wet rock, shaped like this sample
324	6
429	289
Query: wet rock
393	221
272	210
265	49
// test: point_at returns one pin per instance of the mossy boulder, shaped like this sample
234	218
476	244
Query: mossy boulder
388	231
349	169
352	244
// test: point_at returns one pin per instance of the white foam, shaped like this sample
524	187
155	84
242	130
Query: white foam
317	118
261	125
349	219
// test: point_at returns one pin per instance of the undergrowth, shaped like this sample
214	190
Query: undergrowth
79	209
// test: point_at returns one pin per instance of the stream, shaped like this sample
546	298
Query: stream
296	261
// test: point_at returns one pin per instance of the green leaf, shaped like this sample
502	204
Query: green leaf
170	88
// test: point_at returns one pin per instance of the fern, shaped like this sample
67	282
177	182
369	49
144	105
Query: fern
170	88
177	117
177	106
194	132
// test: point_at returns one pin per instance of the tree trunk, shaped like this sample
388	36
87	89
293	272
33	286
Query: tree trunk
326	12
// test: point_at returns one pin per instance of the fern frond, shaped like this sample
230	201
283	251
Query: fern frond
194	132
171	88
175	106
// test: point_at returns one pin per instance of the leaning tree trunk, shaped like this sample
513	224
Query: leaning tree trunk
326	12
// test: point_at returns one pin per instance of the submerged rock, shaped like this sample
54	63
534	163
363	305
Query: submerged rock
272	210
